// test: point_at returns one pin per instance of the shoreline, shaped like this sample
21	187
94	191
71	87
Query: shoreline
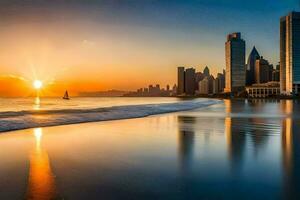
221	97
21	120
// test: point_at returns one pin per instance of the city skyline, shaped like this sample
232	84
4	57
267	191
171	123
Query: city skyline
62	43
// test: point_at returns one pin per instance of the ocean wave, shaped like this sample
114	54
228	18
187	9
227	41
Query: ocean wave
16	120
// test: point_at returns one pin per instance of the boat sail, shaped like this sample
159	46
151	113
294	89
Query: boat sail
66	96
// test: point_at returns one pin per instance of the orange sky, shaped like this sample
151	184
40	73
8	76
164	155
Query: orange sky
79	58
85	45
73	50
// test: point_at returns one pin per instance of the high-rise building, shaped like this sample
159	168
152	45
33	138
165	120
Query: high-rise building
235	49
180	80
204	86
174	90
290	53
275	76
262	71
206	71
250	69
216	86
198	77
271	69
151	89
189	81
157	89
210	84
221	78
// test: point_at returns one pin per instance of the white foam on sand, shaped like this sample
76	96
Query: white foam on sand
41	118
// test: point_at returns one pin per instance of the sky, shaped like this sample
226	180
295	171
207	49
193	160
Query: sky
92	45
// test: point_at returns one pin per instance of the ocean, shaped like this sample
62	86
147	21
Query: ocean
21	113
182	149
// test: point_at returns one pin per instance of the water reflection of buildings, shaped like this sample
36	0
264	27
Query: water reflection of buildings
235	138
290	150
41	183
239	129
186	136
242	130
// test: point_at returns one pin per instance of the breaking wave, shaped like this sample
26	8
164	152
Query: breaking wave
15	120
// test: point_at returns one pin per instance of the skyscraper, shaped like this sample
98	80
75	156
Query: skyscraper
204	86
199	76
262	71
180	80
235	49
221	78
216	85
290	54
250	73
190	81
206	71
275	76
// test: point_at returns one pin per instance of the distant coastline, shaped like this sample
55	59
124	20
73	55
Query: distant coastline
107	93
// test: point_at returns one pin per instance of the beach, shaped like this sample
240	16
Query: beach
220	151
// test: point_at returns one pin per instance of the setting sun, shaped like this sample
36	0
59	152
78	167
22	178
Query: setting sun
37	84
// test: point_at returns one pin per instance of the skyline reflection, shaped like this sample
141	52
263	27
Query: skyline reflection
236	146
235	138
186	140
290	151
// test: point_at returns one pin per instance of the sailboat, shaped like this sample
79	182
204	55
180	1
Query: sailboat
66	96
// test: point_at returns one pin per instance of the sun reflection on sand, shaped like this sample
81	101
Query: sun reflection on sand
41	182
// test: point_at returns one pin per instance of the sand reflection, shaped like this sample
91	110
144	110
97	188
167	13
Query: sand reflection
41	182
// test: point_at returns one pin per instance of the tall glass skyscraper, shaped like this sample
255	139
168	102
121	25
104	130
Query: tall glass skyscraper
250	71
290	54
180	80
190	81
235	49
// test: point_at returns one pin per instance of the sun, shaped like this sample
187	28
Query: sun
37	84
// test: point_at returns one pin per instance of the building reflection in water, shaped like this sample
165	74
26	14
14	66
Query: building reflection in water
235	138
259	133
41	182
186	137
290	150
243	129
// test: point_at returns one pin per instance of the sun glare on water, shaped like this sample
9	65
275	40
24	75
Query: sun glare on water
37	84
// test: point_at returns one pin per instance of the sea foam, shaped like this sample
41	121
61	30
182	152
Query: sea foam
41	118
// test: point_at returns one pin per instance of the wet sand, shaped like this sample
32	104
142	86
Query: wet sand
234	150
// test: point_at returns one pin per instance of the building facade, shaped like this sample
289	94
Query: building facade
263	71
276	75
216	86
206	71
190	81
263	90
186	81
180	80
221	78
204	86
250	69
290	54
235	49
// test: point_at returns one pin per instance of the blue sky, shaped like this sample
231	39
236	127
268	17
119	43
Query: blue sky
206	21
